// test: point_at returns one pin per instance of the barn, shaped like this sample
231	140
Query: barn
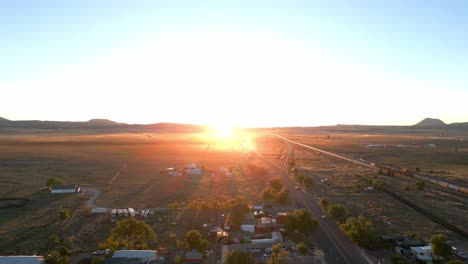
72	188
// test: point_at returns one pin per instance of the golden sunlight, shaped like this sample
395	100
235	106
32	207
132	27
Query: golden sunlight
223	131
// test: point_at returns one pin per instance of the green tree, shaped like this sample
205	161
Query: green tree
419	184
54	181
360	231
302	248
268	194
337	212
440	247
239	208
64	214
193	239
54	239
55	257
283	196
239	257
302	221
278	255
97	260
276	184
398	259
130	233
324	203
203	246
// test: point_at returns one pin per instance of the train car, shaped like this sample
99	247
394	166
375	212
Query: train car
443	184
463	190
454	187
434	181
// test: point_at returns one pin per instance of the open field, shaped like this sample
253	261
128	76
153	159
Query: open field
347	181
448	159
125	168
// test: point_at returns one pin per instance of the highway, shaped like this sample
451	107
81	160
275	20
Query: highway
338	248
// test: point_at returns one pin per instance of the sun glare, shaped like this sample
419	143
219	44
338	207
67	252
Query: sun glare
223	131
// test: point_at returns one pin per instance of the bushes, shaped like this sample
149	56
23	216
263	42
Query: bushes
275	191
53	181
337	212
256	169
302	221
360	231
419	184
64	214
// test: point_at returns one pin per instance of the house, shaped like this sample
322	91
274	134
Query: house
72	188
430	145
139	255
422	254
193	256
21	259
173	172
257	247
281	218
192	169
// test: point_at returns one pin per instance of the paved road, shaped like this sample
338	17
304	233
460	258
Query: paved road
336	245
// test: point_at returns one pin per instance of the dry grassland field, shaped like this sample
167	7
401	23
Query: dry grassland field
347	181
126	169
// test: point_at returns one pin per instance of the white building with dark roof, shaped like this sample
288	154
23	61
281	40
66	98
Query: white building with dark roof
72	188
21	259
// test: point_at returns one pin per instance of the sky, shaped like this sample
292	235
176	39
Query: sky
244	63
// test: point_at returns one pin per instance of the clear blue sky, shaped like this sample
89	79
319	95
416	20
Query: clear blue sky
246	63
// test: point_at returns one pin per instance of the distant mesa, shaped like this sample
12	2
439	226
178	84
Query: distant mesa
3	119
102	122
431	122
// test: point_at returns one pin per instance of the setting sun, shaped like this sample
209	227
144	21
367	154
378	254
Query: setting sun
223	131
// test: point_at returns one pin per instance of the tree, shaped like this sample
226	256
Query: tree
97	260
130	233
54	181
398	259
360	231
302	221
55	257
54	239
302	248
64	214
440	247
337	212
455	261
283	196
203	246
276	184
268	194
239	208
324	203
419	184
278	255
239	257
193	239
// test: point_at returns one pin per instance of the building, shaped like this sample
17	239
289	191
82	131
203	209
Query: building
173	172
249	224
281	218
257	247
192	169
422	254
72	188
138	255
21	259
193	257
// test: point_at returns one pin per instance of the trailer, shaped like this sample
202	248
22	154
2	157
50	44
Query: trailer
120	211
113	212
125	211
131	212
